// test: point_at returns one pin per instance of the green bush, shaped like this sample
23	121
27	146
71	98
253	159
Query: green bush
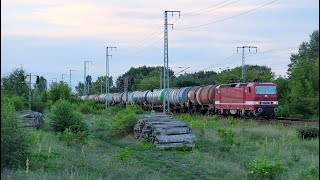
226	135
89	107
135	108
19	103
69	137
14	144
308	132
63	116
123	154
39	101
84	108
123	123
262	169
58	91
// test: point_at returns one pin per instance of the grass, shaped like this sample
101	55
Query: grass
103	157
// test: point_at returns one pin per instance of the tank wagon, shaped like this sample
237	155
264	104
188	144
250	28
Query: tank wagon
237	99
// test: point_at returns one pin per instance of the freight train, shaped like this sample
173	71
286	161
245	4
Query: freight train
236	99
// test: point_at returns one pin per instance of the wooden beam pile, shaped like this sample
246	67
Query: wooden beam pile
164	131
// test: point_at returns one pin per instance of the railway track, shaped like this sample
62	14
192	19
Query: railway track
289	121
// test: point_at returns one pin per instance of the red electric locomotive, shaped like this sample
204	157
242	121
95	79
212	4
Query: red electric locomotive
247	99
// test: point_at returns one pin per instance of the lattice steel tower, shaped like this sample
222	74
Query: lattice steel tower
166	80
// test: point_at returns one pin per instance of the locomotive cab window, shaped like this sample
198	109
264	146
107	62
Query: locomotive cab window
249	90
266	90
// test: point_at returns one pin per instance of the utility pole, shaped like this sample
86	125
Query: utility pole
160	77
166	80
243	62
70	79
107	75
85	77
30	93
101	87
126	89
62	76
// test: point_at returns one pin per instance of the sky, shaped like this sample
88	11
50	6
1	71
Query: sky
49	38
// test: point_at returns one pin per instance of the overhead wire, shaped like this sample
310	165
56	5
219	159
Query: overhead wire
214	8
221	20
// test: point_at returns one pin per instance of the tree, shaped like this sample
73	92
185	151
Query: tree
303	82
150	82
14	143
138	74
58	91
309	50
79	88
15	83
42	84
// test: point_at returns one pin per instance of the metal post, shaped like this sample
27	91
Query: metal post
85	81
126	89
62	77
166	80
160	77
101	87
243	64
85	88
30	93
107	75
70	79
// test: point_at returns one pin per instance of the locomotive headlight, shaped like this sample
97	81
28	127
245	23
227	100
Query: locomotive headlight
257	102
275	102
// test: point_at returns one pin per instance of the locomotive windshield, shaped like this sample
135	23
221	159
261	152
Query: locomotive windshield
266	90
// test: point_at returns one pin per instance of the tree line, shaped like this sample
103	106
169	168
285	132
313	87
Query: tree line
298	93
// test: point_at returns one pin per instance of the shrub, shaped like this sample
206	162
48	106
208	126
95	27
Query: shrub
308	132
84	108
89	107
69	137
262	169
226	135
58	91
135	108
63	117
123	123
19	103
123	154
39	101
14	145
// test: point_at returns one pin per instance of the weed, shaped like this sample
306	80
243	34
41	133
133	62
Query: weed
101	123
263	169
232	121
123	123
123	154
27	166
309	173
69	137
226	135
308	132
